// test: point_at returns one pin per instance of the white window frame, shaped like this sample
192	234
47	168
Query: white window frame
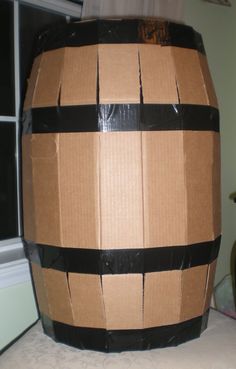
14	267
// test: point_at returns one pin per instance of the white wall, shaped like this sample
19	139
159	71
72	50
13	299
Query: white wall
217	24
17	311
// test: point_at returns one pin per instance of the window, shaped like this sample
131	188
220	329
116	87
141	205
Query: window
20	23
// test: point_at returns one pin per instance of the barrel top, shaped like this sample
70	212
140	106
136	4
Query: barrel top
111	31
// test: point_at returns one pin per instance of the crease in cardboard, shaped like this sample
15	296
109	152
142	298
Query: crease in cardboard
59	190
50	74
140	77
100	194
32	83
103	301
70	297
185	192
208	82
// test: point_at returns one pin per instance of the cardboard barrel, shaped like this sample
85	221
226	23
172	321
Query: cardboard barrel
121	185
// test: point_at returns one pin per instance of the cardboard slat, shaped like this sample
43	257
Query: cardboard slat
123	299
79	189
209	285
118	73
216	185
198	148
212	99
27	188
189	78
46	188
58	294
49	79
193	292
40	288
87	300
157	74
32	83
165	204
162	298
79	84
121	190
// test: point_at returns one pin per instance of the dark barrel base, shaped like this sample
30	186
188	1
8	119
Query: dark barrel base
125	340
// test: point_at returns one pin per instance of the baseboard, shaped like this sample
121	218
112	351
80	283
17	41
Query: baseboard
14	272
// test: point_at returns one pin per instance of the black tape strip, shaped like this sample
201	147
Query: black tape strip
125	340
122	261
122	31
121	117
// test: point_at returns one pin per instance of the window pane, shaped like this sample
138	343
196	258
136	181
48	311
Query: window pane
32	22
7	95
8	187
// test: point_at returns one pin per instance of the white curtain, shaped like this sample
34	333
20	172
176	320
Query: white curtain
171	9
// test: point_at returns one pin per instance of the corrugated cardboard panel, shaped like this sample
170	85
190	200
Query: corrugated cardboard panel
189	78
32	83
49	79
157	74
121	190
165	214
193	291
79	84
118	73
216	185
45	188
87	300
41	291
58	296
209	284
162	298
198	147
79	189
123	299
212	99
27	187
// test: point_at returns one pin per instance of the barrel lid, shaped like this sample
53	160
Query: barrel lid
112	31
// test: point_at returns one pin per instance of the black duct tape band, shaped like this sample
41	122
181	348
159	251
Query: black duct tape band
125	340
122	261
120	31
121	117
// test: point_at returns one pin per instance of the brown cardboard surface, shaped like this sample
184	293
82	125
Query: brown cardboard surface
121	190
45	188
165	198
162	298
79	83
198	147
189	78
216	185
48	84
212	99
32	82
118	73
29	211
40	288
58	293
209	284
79	189
157	74
193	292
87	300
123	299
